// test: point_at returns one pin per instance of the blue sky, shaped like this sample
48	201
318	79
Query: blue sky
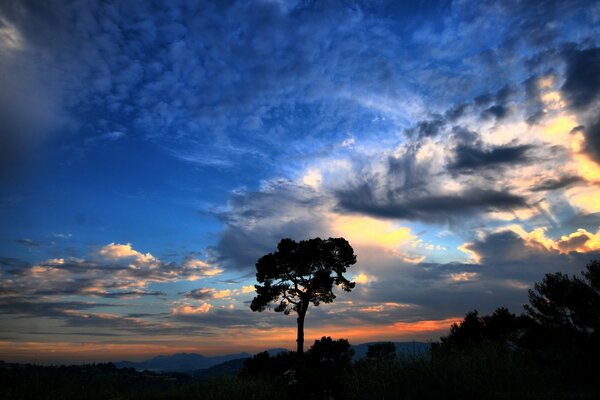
150	152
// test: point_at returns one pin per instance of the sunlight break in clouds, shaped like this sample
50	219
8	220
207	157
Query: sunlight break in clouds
580	241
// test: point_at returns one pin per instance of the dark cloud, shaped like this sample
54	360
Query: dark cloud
457	111
509	265
557	183
483	99
592	138
496	111
427	128
469	157
496	105
257	220
582	91
506	255
582	81
131	294
200	294
28	307
533	104
28	242
427	207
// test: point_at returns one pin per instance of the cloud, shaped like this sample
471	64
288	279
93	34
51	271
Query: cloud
190	310
248	289
256	221
514	245
125	251
562	182
28	242
209	293
582	83
472	157
429	208
427	128
119	272
582	91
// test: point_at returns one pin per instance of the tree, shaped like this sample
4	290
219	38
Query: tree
301	273
328	362
565	303
502	328
329	351
382	352
566	314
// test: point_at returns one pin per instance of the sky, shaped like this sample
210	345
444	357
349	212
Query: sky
151	152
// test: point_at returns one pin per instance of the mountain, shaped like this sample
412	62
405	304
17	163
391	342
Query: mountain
405	348
180	362
230	364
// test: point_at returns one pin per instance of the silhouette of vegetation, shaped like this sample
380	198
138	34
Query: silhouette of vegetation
550	351
381	352
301	273
105	381
559	330
265	365
566	315
569	304
327	363
502	328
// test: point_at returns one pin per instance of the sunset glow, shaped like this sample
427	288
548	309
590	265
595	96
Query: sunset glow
150	154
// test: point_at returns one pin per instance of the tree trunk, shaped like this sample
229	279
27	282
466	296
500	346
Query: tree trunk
300	337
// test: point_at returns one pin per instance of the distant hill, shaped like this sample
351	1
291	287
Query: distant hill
405	348
230	364
228	368
181	362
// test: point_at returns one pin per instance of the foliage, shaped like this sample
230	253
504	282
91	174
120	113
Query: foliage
502	328
301	273
568	303
105	381
566	311
488	372
560	330
265	365
331	352
327	361
381	352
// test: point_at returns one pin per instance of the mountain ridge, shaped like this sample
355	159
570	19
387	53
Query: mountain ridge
193	363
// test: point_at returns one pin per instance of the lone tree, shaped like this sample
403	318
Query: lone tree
300	273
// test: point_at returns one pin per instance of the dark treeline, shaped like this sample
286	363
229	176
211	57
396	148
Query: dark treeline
551	350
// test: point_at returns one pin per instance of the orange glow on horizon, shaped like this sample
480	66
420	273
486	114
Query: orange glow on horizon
227	341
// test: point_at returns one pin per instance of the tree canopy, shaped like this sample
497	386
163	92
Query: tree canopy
301	273
564	302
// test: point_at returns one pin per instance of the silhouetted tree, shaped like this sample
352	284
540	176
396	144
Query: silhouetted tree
327	350
263	364
566	311
568	303
501	328
300	273
328	360
385	351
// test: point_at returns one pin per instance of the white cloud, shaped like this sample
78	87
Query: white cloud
116	251
191	310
